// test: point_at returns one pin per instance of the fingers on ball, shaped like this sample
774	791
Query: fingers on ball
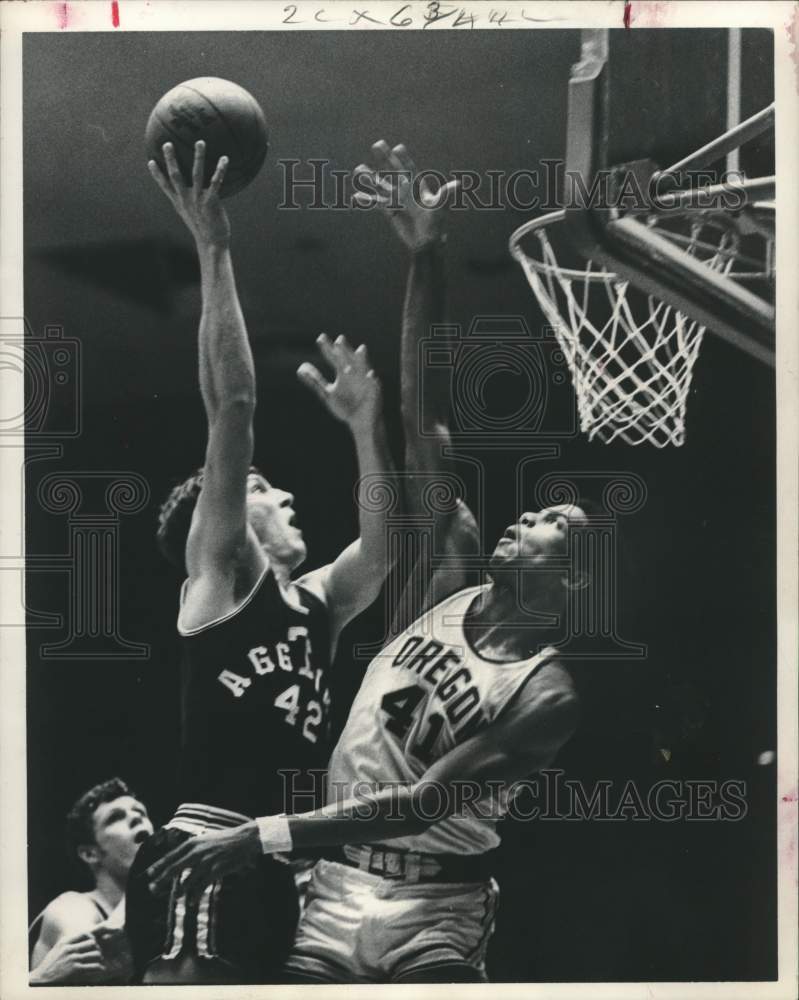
219	174
198	168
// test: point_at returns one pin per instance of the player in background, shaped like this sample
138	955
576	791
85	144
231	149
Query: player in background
78	938
467	700
257	645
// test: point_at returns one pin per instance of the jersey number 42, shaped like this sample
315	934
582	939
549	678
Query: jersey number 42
289	702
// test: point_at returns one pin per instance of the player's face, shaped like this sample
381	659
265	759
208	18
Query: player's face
120	827
271	513
536	537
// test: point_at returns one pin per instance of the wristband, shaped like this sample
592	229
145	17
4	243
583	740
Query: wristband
274	833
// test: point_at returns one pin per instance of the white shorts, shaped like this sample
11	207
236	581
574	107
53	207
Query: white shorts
359	927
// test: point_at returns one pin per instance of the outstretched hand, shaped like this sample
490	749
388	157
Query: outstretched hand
208	858
200	207
354	395
415	210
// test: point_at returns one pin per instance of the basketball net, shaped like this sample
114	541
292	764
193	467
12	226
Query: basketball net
631	357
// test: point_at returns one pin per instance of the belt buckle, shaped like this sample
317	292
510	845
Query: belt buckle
388	864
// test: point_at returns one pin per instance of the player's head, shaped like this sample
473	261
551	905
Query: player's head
174	519
106	826
269	510
539	542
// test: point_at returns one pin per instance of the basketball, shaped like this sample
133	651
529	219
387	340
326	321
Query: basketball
224	115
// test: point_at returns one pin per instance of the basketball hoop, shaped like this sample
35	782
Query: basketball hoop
631	355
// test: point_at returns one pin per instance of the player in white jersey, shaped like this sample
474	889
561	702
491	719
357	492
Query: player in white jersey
466	701
433	691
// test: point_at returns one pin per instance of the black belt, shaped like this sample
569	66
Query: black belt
410	866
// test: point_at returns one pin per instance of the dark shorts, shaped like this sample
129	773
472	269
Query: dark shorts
240	932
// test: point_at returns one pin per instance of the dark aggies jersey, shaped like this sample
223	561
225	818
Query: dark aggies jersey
255	701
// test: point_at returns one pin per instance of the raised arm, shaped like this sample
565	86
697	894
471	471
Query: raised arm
353	581
417	216
219	536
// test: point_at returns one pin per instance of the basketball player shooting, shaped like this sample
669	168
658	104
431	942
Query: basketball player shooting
257	646
465	701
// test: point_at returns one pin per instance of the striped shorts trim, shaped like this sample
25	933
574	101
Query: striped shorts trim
196	818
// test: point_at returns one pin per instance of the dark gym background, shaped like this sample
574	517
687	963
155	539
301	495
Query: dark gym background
106	258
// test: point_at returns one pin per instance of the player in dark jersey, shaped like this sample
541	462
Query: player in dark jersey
471	698
256	645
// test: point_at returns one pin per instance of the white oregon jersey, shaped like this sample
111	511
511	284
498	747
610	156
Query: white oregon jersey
426	692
